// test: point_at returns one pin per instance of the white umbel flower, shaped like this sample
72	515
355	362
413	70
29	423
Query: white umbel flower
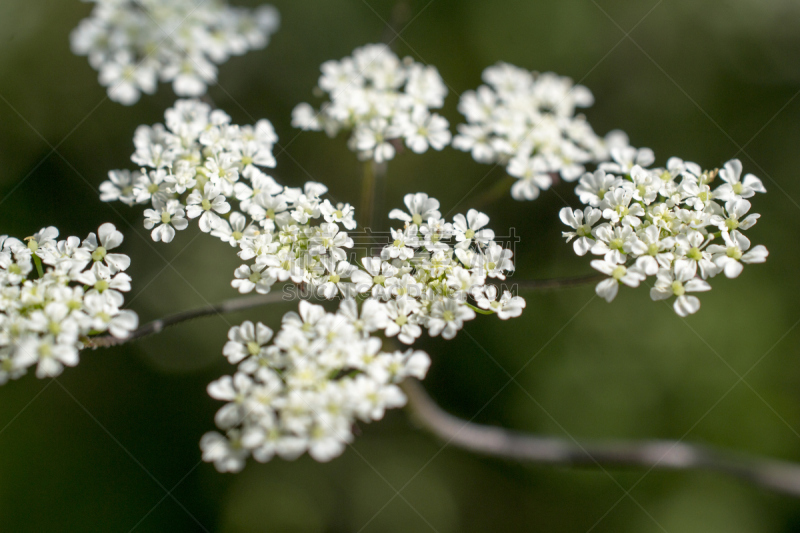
526	122
304	392
48	315
133	43
664	222
382	101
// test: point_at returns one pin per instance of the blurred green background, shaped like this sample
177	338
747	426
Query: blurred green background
100	449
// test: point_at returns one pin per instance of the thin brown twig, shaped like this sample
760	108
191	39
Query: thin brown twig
251	302
157	326
775	475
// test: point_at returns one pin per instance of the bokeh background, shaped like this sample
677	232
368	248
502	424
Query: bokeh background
113	445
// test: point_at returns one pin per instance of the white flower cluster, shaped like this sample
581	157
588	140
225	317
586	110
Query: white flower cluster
304	392
383	100
431	269
44	319
664	222
324	371
200	164
133	43
192	169
292	235
526	122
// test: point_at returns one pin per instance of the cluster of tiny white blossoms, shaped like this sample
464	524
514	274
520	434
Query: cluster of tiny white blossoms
664	222
47	312
431	270
306	390
192	168
133	43
324	371
526	122
383	100
200	164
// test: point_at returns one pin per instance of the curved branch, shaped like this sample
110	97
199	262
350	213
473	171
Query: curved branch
156	326
250	302
778	476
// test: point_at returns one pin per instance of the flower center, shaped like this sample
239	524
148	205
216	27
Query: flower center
732	224
619	272
695	254
652	249
734	253
165	217
448	316
401	320
334	278
237	235
101	285
677	288
470	233
206	204
416	219
253	348
99	253
379	280
584	230
255	277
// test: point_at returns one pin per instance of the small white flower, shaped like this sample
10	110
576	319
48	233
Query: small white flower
402	321
164	221
678	283
109	238
607	289
120	186
206	205
253	277
422	130
447	317
734	187
378	279
421	208
582	222
729	258
508	306
471	228
247	340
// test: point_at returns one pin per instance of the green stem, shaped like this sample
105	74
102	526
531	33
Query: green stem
479	310
38	262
